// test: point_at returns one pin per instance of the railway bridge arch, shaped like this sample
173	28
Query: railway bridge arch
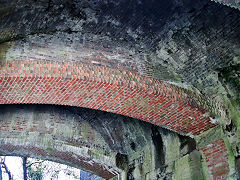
173	64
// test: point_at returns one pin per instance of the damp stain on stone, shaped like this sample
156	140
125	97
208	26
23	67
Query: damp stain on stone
4	47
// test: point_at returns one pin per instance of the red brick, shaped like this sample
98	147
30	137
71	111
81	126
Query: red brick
216	158
91	86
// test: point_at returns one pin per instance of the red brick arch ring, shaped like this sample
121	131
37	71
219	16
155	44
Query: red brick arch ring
102	88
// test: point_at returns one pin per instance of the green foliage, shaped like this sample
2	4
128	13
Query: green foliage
232	75
34	173
38	169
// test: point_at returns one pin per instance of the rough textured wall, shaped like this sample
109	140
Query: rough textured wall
102	143
191	44
56	134
96	71
185	42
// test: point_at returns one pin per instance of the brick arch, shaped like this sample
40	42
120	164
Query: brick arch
44	70
103	88
35	76
99	168
55	134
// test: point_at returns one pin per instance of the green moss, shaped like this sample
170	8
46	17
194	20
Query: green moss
182	168
177	77
98	153
3	50
84	131
50	150
209	136
205	168
231	158
159	71
172	149
232	76
235	116
7	35
48	142
238	97
146	154
147	165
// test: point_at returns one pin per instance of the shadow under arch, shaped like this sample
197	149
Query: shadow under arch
54	133
94	141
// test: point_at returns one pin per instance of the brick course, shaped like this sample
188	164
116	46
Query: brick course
217	159
103	88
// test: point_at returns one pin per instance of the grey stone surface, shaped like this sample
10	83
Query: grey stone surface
130	147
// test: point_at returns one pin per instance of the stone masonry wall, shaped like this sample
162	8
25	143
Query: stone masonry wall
173	63
102	143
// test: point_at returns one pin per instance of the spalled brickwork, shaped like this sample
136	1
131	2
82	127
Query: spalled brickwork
106	89
217	159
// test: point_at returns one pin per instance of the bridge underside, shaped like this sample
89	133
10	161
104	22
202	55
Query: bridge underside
174	64
105	144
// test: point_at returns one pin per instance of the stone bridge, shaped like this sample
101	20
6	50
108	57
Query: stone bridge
171	63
